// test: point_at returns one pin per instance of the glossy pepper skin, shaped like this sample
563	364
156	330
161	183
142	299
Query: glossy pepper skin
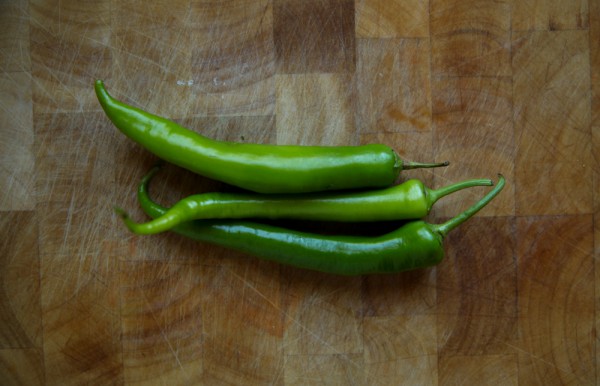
407	201
415	245
257	167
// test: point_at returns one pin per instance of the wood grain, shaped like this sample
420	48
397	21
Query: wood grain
322	317
69	44
242	321
20	312
470	37
162	330
16	148
150	55
222	34
22	367
78	254
334	369
401	349
314	36
594	36
488	369
393	87
552	119
14	39
21	339
595	90
392	19
550	15
314	109
407	293
473	125
478	317
556	326
491	86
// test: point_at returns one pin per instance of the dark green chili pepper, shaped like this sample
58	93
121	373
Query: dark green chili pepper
408	201
256	167
415	245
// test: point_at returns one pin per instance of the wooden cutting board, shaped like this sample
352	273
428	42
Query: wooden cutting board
492	86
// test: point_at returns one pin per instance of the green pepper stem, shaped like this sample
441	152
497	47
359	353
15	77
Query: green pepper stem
418	165
446	227
436	194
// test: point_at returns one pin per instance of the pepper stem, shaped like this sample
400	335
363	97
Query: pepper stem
418	165
436	194
446	227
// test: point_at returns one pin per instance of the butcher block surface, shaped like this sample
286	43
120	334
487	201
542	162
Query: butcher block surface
509	87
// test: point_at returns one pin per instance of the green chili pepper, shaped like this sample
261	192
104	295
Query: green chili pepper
415	245
260	168
410	200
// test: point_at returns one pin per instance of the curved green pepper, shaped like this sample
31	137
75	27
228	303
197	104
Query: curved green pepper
407	201
256	167
415	245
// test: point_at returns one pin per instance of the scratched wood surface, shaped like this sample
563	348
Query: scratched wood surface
492	86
